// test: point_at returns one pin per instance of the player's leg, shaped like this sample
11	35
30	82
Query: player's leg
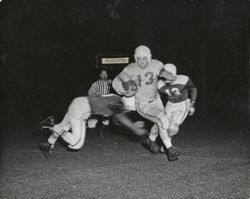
79	112
171	151
153	111
103	123
57	130
91	125
76	138
177	113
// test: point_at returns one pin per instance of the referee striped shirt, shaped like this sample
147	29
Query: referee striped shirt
100	87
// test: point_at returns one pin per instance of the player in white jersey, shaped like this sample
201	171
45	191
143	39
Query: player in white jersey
78	113
145	72
181	94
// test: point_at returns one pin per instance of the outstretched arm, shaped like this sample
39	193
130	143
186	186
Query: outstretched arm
123	119
193	94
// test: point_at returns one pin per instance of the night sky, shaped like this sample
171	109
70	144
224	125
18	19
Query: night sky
48	48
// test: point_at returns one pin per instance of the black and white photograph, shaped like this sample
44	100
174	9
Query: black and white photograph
125	99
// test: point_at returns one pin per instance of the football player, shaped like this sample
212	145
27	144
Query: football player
75	120
181	94
145	72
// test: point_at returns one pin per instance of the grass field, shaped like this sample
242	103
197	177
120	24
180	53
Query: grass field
214	164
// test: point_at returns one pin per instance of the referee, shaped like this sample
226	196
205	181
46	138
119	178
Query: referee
100	87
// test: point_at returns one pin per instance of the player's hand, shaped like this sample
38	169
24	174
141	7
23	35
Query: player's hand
141	132
191	109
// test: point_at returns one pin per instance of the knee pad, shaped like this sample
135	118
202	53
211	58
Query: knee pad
77	145
173	129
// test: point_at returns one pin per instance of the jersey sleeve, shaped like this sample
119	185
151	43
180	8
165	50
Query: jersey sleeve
92	90
119	79
190	84
192	90
159	66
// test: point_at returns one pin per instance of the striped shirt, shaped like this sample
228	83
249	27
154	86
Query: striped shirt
100	87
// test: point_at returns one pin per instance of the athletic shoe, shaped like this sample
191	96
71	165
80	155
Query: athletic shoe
48	123
46	148
172	153
150	145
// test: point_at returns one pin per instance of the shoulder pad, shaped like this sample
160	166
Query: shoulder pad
181	79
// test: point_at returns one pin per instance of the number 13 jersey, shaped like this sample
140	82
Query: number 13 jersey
177	91
146	79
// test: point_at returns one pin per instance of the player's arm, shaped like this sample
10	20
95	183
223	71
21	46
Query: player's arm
119	82
123	119
92	90
193	91
159	67
193	96
161	86
118	111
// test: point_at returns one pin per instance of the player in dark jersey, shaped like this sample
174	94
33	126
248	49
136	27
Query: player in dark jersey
78	113
181	94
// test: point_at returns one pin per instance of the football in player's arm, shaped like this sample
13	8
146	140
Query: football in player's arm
181	94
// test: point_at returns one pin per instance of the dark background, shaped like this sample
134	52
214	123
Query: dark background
48	50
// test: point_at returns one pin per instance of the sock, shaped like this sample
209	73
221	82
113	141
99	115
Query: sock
166	139
53	138
57	132
152	137
153	133
167	143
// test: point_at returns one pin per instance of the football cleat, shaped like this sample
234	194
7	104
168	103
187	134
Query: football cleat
48	123
172	153
150	145
46	148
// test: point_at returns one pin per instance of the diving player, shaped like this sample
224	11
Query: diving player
78	113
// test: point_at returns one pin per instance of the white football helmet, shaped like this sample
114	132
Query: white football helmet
171	68
143	51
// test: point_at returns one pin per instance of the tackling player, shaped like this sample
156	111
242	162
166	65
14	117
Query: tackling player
145	72
78	113
181	94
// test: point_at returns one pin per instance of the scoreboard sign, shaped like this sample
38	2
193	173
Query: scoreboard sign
113	61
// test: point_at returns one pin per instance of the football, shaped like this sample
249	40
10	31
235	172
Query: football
126	85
